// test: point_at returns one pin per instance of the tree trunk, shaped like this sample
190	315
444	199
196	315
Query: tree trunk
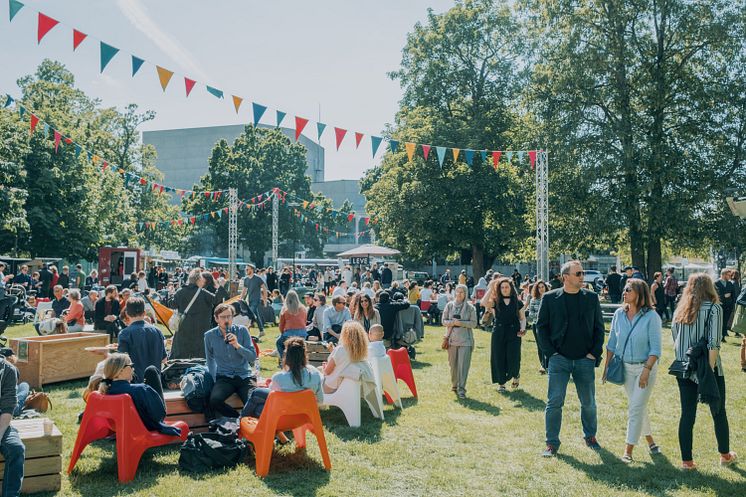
655	258
477	261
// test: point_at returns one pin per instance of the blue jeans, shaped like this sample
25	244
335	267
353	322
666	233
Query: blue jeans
583	374
22	391
256	309
255	405
14	453
284	336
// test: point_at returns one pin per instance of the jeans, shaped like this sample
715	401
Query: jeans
14	452
688	392
583	374
255	405
22	391
638	420
225	386
284	336
256	309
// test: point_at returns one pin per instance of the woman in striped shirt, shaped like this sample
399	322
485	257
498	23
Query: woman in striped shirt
698	314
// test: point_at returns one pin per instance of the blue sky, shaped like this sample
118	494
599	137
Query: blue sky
296	56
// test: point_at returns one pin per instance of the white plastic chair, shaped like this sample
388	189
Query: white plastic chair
347	398
383	372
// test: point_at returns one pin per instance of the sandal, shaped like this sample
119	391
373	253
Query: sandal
688	465
627	458
515	384
502	389
654	449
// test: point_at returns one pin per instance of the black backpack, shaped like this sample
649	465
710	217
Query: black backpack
208	451
196	385
174	369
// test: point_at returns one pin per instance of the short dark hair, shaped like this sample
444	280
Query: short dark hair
222	307
135	307
110	289
338	300
322	298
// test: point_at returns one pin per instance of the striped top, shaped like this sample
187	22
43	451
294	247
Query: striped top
686	335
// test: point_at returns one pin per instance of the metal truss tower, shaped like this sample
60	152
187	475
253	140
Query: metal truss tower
542	215
232	232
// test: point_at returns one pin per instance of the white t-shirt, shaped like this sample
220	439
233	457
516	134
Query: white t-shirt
338	290
425	295
142	285
376	349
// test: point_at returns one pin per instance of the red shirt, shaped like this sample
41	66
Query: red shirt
292	321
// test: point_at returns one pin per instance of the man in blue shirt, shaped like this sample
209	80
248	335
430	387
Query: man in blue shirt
229	352
142	341
334	317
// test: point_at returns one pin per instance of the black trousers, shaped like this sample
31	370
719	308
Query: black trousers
225	386
505	358
727	312
542	360
152	377
688	393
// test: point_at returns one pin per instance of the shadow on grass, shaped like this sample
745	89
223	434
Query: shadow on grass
418	364
478	405
294	472
525	400
370	428
660	477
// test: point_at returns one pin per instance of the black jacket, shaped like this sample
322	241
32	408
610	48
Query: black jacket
551	326
699	364
726	288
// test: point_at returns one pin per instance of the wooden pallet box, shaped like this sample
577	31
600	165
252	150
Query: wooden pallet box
43	465
317	353
54	358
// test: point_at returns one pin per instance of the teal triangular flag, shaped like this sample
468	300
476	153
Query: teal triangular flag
375	141
320	127
46	130
509	156
258	112
15	6
9	101
394	144
280	116
78	149
483	153
21	111
521	154
90	156
215	91
441	151
140	225
220	213
107	53
136	65
469	156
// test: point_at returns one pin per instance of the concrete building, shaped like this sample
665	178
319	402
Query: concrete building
339	191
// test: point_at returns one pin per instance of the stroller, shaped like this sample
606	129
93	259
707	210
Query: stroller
21	311
243	314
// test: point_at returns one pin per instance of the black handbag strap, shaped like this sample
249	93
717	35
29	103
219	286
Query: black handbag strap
624	350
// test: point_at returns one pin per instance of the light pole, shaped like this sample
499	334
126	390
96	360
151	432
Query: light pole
292	270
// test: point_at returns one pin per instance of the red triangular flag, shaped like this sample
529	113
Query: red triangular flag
532	158
34	122
496	158
106	164
45	24
207	194
181	193
425	151
358	139
155	186
367	220
189	83
160	190
340	135
68	141
217	195
193	219
300	123
78	37
57	138
317	226
143	181
350	217
181	221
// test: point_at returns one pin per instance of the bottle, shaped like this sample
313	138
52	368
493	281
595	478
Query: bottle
257	370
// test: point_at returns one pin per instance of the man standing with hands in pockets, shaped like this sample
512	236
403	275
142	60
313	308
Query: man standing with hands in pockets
570	330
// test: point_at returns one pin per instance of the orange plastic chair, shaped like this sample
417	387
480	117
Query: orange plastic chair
402	369
108	414
284	411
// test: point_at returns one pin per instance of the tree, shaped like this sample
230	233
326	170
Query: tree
460	75
13	148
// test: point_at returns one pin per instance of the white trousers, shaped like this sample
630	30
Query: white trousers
638	420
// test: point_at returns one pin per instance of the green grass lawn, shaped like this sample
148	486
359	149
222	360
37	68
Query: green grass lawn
487	445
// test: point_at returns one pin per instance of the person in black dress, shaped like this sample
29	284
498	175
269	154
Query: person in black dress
659	295
509	325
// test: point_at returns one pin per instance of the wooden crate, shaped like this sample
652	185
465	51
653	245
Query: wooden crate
317	353
43	456
53	358
178	410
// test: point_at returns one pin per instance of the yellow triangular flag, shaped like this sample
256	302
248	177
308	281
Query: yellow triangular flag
305	204
410	150
164	75
237	102
455	154
95	159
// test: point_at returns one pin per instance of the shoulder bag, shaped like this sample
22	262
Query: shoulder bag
680	369
615	371
176	318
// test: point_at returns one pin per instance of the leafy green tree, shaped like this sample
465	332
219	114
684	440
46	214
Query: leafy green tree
13	148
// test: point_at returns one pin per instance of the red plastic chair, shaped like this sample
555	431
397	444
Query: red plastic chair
425	305
284	411
402	369
107	414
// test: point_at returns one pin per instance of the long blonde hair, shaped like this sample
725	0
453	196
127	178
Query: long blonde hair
699	289
292	303
355	341
113	365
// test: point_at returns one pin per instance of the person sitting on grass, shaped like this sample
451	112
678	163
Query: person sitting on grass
147	397
296	375
144	343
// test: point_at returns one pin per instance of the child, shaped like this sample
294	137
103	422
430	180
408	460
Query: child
376	348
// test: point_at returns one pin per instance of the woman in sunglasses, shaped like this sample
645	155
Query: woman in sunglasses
147	397
364	312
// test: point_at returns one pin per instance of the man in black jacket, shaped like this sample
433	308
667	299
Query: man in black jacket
614	285
727	293
570	330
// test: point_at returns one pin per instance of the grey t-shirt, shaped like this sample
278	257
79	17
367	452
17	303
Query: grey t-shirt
253	286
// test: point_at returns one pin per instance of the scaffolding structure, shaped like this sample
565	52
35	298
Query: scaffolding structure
232	232
542	215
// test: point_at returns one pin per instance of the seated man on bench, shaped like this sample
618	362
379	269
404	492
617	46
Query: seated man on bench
11	446
144	343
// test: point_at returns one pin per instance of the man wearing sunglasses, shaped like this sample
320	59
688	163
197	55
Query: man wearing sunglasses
570	330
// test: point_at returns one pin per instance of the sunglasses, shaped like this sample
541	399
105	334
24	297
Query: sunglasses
131	365
628	290
580	273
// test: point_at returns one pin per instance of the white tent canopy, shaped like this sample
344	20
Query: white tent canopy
369	250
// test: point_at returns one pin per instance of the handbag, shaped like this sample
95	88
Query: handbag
38	401
206	451
680	369
615	370
176	318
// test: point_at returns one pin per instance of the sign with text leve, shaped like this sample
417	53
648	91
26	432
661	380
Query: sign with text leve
359	261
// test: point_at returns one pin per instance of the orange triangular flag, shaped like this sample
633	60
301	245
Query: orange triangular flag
455	154
410	149
164	75
237	102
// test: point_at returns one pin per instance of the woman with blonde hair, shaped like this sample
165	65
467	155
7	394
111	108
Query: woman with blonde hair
509	325
350	354
635	338
697	323
147	397
292	321
363	311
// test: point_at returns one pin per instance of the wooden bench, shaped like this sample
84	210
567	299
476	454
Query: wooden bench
43	456
317	353
178	410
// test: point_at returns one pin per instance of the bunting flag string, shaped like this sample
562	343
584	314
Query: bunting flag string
107	52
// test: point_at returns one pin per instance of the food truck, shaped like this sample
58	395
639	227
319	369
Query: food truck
115	264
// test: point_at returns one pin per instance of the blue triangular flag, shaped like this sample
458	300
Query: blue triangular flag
320	127
15	6
483	153
46	130
21	111
215	91
509	156
375	141
107	53
521	154
280	116
205	216
137	63
90	156
394	144
220	213
469	156
258	112
441	151
9	101
78	149
140	225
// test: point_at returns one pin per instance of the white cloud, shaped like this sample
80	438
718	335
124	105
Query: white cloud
138	15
